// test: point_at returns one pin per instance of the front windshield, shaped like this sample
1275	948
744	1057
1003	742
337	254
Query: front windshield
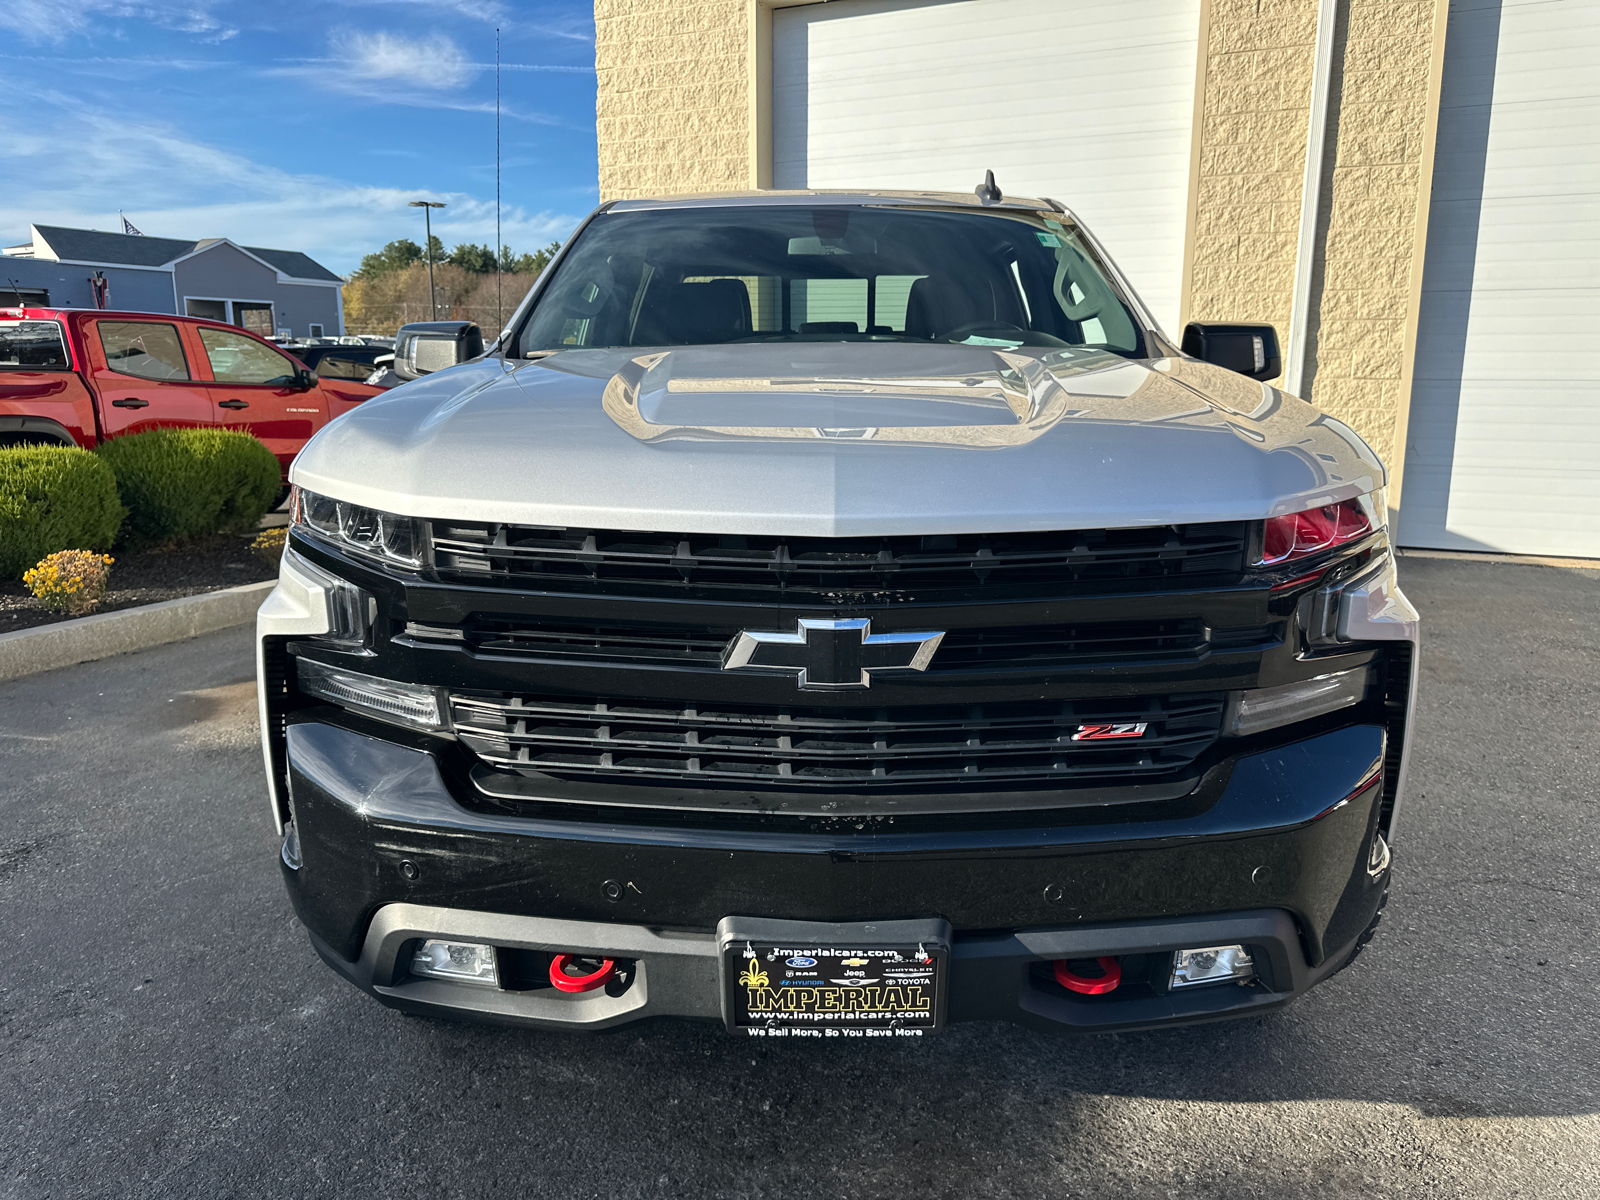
835	273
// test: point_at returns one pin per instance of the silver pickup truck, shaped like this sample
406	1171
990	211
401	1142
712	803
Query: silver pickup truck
835	615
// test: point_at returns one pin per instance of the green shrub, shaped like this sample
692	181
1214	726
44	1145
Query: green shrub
53	498
178	483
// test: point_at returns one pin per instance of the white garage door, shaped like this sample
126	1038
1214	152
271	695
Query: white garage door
1504	443
1087	101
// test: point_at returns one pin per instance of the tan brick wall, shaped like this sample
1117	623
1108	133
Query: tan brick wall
673	109
1260	55
1363	326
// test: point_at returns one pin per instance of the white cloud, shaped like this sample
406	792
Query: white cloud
418	72
95	63
576	25
56	20
171	186
430	61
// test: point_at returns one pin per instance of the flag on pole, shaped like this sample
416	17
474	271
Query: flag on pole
127	227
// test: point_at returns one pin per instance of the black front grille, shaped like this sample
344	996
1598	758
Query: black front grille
962	649
877	567
964	746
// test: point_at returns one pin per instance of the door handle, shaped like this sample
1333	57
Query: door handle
233	404
130	402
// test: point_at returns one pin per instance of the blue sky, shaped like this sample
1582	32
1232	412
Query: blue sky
305	126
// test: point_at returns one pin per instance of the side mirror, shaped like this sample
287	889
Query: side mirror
429	346
1251	350
305	379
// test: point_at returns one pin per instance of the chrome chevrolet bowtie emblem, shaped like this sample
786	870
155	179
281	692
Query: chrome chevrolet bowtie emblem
831	654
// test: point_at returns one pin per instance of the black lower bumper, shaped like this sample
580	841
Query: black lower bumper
992	977
1271	853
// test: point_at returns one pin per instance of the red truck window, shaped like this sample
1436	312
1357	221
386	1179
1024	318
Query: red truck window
143	348
33	346
239	359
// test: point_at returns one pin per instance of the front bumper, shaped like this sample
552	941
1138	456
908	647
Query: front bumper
1270	851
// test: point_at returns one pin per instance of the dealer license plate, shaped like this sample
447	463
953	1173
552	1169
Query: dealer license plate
798	990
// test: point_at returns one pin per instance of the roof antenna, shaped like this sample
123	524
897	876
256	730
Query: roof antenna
987	192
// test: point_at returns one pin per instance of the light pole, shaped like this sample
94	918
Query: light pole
427	222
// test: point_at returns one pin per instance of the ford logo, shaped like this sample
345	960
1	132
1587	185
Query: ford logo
802	961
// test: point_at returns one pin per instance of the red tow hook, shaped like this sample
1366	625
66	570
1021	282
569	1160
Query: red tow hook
1107	981
559	978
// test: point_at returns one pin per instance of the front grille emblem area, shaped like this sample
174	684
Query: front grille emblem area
825	655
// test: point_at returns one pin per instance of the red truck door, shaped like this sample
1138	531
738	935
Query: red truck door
253	388
142	377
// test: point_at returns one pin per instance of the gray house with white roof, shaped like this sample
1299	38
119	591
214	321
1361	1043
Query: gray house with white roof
265	291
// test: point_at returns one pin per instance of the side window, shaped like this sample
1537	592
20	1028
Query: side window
828	305
331	366
32	346
890	303
239	359
144	348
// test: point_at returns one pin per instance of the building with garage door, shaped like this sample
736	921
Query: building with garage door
264	291
1408	189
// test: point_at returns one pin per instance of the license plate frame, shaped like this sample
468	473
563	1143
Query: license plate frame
813	980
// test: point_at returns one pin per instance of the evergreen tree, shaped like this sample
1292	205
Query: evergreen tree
396	256
477	259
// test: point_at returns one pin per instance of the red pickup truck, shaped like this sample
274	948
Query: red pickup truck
80	376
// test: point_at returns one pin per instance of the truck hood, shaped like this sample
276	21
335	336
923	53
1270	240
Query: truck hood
838	440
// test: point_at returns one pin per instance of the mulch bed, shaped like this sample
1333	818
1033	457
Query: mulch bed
205	564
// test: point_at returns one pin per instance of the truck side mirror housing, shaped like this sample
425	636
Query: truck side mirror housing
428	346
1251	350
305	379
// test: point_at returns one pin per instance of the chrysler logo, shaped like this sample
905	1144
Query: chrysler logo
831	654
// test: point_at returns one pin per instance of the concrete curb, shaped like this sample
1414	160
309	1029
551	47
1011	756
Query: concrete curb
28	651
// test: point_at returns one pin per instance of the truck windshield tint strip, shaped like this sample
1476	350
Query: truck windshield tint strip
32	346
702	276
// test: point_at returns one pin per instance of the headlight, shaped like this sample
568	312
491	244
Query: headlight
368	532
1298	535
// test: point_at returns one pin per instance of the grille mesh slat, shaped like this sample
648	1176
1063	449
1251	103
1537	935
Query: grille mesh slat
512	555
954	745
961	649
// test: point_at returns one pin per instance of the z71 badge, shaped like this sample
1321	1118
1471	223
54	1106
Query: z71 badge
1110	731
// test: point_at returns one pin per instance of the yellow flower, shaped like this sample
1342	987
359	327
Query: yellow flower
69	581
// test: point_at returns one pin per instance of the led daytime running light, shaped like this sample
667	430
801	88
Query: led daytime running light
366	531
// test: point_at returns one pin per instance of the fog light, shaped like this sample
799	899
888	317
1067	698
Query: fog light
1211	964
1266	708
466	962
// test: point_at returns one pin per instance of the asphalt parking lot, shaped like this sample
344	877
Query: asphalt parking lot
168	1031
